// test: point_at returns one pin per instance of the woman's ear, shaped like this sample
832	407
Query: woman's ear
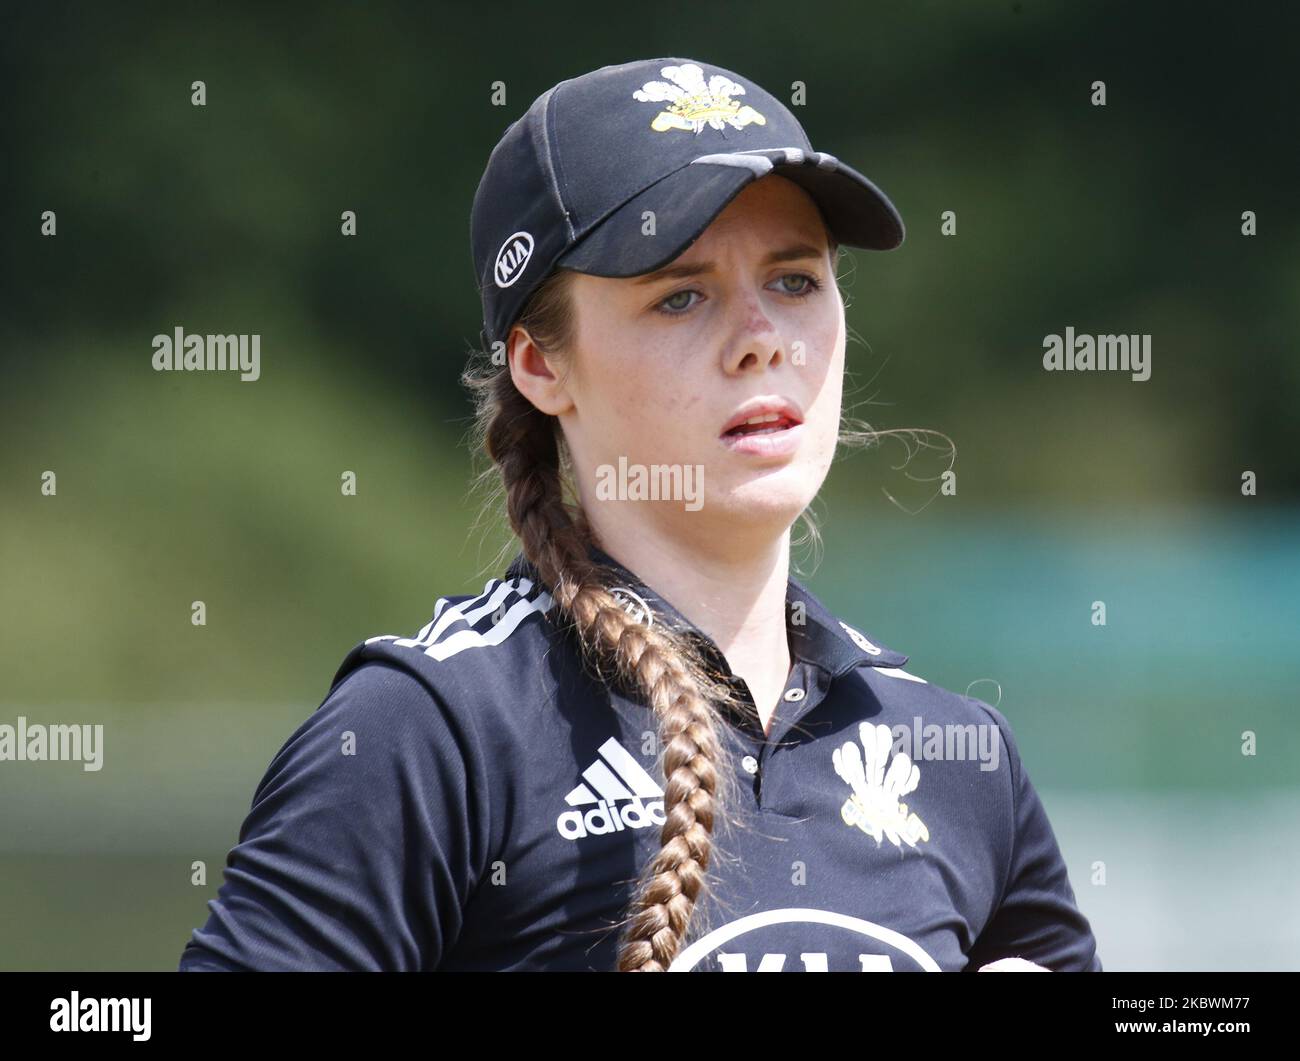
534	374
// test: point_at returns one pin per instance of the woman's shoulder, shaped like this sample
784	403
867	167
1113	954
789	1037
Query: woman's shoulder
911	688
477	652
911	699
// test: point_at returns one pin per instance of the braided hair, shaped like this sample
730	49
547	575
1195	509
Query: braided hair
531	469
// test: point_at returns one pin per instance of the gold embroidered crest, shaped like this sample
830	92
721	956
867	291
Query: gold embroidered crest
692	103
875	804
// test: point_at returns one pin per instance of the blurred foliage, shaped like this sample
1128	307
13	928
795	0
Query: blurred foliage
1123	218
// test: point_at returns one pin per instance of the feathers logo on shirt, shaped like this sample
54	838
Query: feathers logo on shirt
875	805
693	104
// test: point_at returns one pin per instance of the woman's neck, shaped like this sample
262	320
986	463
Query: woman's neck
737	599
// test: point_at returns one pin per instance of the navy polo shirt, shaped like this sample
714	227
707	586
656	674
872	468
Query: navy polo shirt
471	798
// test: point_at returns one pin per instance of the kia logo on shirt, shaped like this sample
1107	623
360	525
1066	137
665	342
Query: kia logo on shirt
804	940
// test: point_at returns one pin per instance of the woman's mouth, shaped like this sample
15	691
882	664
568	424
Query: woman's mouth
764	434
762	425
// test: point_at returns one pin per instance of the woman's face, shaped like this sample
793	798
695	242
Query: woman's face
663	364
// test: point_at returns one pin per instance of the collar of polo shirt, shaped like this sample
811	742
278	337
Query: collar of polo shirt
816	636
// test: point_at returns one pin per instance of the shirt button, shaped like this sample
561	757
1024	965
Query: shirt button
794	695
750	764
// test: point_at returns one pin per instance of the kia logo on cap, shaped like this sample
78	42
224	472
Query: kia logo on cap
512	257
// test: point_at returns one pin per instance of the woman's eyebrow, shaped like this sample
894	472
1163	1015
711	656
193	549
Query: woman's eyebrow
796	252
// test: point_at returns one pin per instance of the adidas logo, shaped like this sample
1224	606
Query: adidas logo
619	793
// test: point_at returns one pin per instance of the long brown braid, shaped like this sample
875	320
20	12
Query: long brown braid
661	666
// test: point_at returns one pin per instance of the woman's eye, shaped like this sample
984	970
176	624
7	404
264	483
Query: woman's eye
679	302
810	284
673	304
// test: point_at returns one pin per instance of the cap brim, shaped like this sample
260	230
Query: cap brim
684	204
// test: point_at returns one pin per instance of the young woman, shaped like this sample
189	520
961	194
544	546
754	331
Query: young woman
647	747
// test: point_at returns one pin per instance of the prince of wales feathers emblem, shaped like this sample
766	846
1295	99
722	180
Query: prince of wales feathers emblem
692	104
875	806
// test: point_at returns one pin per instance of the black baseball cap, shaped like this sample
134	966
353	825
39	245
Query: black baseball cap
570	181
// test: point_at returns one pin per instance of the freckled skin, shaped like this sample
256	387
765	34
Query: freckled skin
657	389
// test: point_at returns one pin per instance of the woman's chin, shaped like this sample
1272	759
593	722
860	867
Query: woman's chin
775	499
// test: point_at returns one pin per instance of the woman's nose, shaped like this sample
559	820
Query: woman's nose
756	341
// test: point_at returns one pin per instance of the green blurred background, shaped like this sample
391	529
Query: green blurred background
1072	487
